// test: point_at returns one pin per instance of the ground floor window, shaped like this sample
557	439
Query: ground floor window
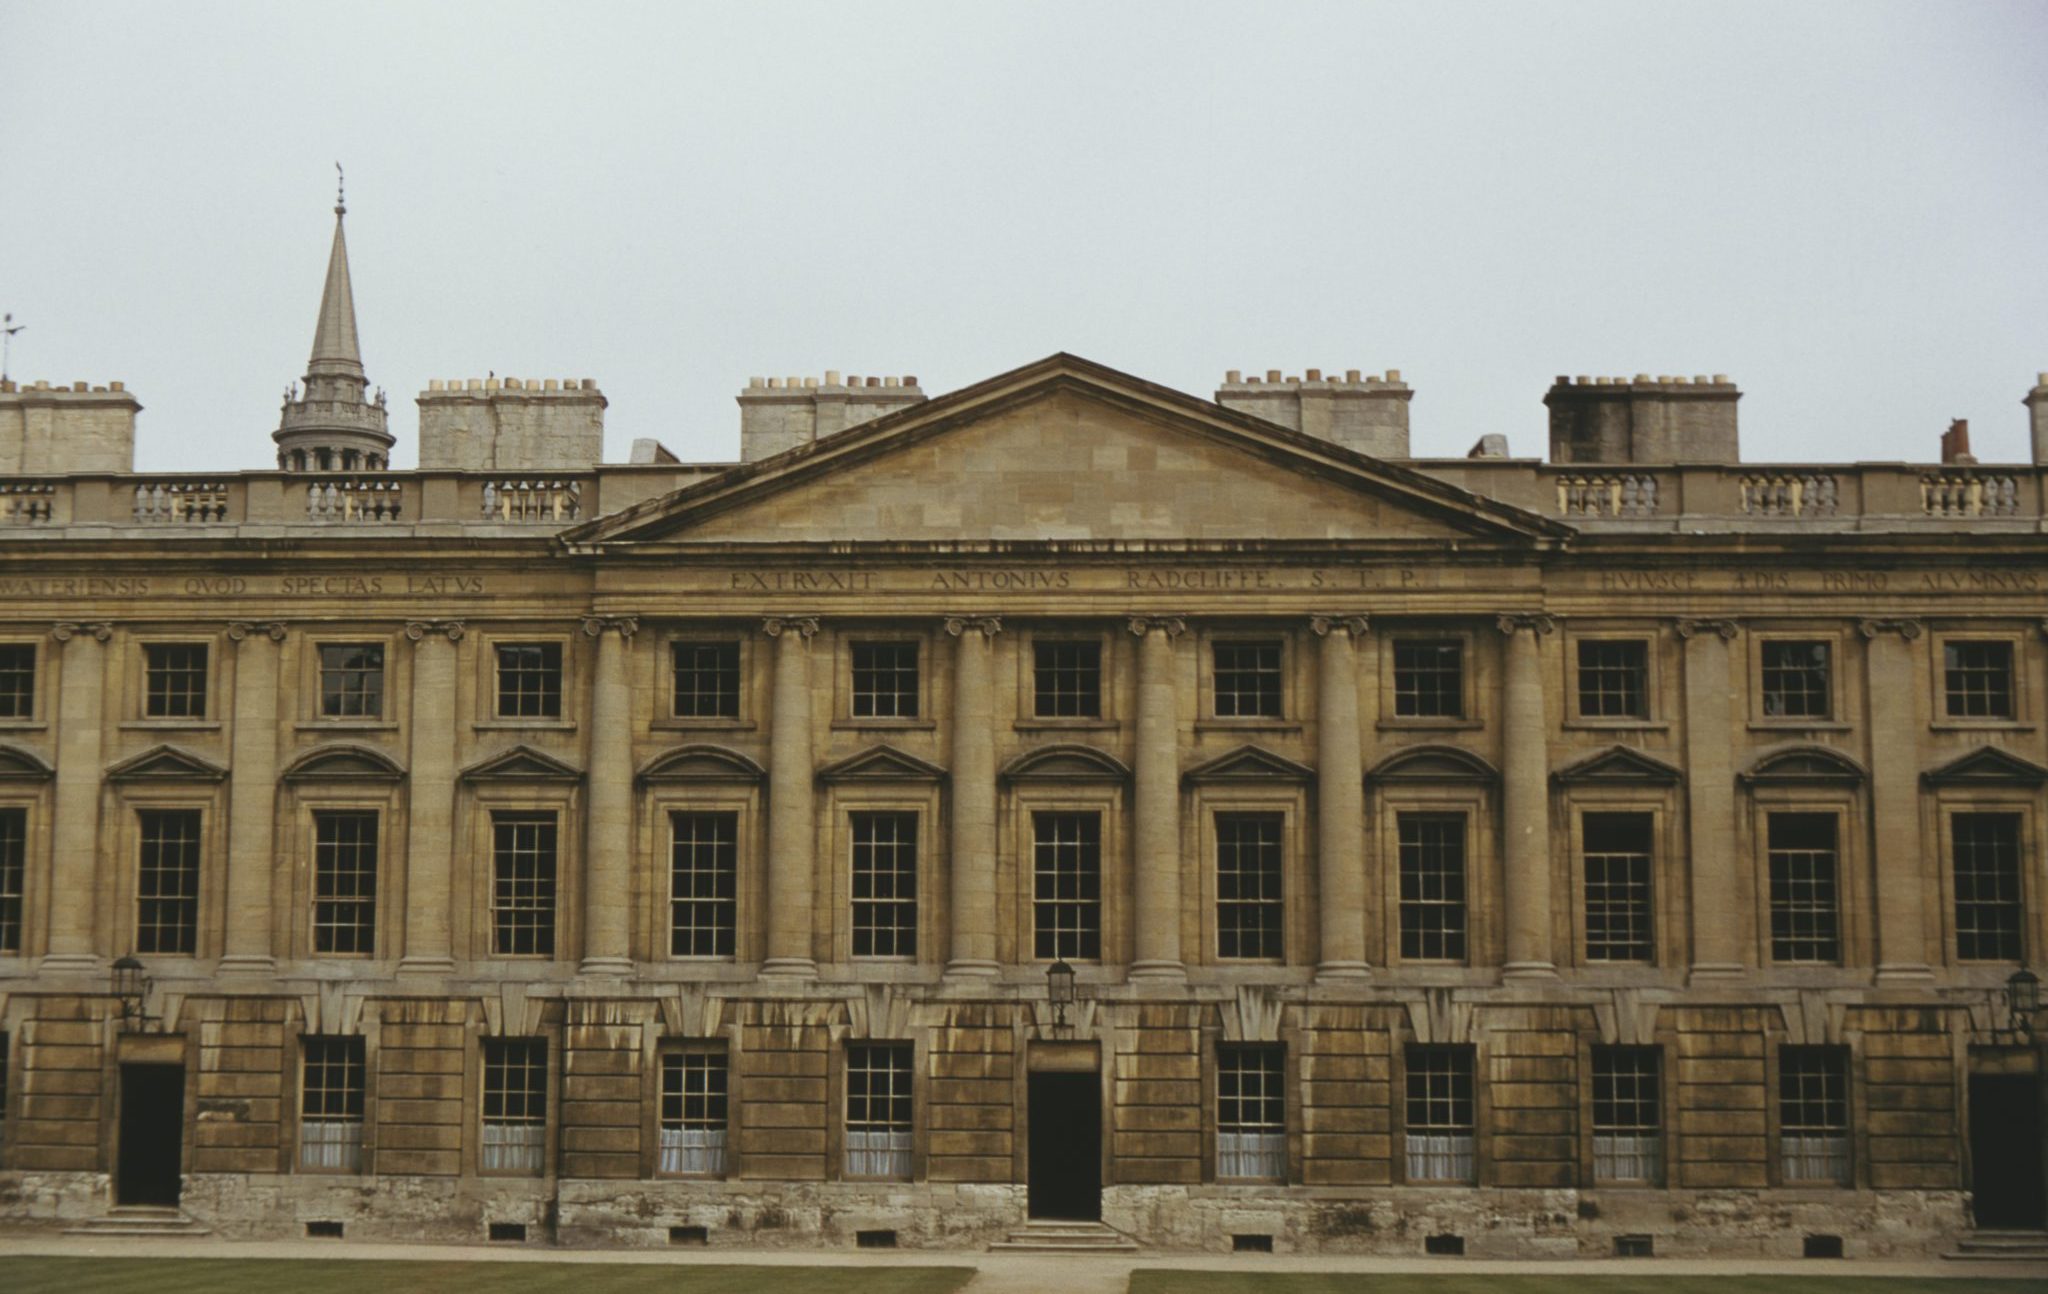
878	1109
1440	1114
1813	1114
693	1113
1251	1111
515	1105
1628	1136
331	1089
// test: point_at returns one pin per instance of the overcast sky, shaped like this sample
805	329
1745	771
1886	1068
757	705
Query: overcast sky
1843	206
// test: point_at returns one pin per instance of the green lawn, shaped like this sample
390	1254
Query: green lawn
1171	1282
35	1275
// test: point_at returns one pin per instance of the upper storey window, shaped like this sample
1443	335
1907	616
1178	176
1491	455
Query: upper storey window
1247	680
13	863
1805	902
1989	911
352	681
707	680
1977	679
17	680
885	680
1795	677
1429	680
174	680
529	680
1067	680
1614	679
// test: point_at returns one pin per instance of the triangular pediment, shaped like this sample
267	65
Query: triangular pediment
343	763
1065	763
166	764
1433	764
1247	764
1067	450
1620	764
521	764
881	764
1805	765
19	765
701	762
1987	765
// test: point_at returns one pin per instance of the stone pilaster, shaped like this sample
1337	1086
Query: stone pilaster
792	817
252	799
973	852
1340	800
1717	925
1895	682
608	805
1525	802
75	835
430	800
1155	826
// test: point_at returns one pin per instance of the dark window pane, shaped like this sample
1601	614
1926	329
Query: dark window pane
1989	916
1067	680
1796	680
703	883
1429	680
13	866
530	680
17	680
1432	886
885	680
1248	904
884	884
1614	679
344	882
174	680
1066	885
352	680
1620	916
1978	679
167	882
523	883
1805	922
1248	680
707	680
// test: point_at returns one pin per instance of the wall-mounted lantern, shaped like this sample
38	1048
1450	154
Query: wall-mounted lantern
2022	999
1059	990
131	989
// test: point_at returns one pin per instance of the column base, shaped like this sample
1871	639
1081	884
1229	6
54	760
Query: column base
72	964
1528	971
425	967
1709	972
241	964
606	967
1157	971
1345	972
1904	973
971	968
789	968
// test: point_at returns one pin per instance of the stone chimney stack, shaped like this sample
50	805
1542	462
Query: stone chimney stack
54	430
2037	414
780	413
504	424
1647	420
1955	444
1362	412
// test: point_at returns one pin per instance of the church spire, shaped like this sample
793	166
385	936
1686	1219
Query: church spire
334	425
335	350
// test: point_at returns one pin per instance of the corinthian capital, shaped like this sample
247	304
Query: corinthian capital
802	626
987	626
1907	629
1538	622
271	629
418	629
1355	623
97	630
1725	629
624	626
1174	626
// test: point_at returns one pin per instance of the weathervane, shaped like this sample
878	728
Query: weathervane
7	330
340	206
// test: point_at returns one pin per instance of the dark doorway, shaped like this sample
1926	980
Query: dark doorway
1066	1146
152	1134
2005	1150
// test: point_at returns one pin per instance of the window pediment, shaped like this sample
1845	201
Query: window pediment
343	763
1065	763
166	764
1249	764
1803	766
521	764
881	764
701	762
1619	764
21	765
1433	764
1987	766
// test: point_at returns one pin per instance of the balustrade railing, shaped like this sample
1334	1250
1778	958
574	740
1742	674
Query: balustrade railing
538	499
352	499
1607	494
1952	493
27	503
196	503
1790	494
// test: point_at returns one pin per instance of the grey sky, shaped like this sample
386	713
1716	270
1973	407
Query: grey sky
1843	206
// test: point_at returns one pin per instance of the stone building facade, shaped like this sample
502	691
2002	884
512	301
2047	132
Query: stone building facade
1487	855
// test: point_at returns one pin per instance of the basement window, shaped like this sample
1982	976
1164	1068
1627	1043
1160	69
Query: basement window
324	1230
1634	1247
1261	1244
689	1235
1819	1246
1446	1245
512	1232
875	1239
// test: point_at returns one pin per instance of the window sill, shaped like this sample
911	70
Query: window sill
1981	725
348	725
1799	725
885	725
1066	725
22	725
172	725
525	725
1247	725
1430	725
673	724
1617	725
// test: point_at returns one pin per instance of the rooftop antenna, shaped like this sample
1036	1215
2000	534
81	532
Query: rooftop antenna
7	330
340	206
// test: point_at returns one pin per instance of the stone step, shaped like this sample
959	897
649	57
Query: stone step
140	1220
1056	1237
2001	1246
